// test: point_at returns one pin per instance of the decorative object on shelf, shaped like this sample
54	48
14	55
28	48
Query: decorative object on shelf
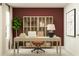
71	23
50	30
16	24
41	24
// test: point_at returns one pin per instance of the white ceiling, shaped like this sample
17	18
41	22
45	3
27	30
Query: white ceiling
37	5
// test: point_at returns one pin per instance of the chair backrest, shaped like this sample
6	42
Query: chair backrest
39	41
40	33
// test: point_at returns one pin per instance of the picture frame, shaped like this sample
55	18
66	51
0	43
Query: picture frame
71	23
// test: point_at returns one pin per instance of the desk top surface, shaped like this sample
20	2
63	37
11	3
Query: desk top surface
55	38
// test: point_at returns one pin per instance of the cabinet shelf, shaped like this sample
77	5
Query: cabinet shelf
30	26
36	23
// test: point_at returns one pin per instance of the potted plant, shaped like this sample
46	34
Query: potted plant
16	24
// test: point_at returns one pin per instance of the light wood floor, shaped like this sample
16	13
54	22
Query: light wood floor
27	52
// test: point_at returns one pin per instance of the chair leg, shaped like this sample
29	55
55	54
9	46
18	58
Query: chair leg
42	50
38	50
34	49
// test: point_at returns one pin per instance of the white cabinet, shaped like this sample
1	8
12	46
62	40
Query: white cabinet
36	23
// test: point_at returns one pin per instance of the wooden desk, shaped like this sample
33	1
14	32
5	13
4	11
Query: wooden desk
30	39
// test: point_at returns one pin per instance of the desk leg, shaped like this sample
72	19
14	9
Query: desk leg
14	47
60	47
45	43
23	44
18	47
52	44
30	43
57	47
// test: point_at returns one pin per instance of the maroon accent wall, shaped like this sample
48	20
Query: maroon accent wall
57	13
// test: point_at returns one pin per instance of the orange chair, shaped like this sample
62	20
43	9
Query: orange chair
38	42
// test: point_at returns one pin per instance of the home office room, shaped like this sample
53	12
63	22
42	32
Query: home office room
39	29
